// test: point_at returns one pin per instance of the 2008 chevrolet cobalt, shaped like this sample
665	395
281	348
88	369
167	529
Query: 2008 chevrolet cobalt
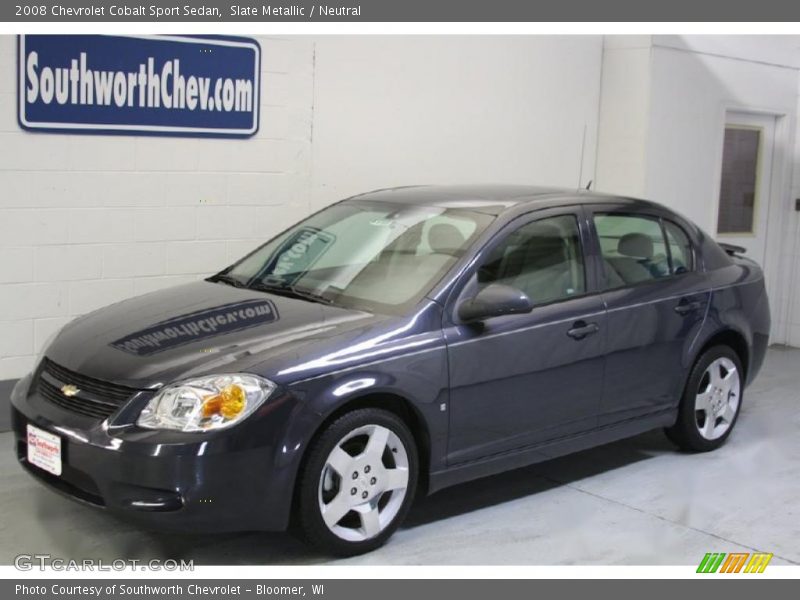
393	344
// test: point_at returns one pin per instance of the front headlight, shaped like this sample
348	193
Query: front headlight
205	403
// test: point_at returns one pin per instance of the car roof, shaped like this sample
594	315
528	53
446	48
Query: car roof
491	199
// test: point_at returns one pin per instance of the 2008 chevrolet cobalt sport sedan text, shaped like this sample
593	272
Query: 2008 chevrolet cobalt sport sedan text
395	343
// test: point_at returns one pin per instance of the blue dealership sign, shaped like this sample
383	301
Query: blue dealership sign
140	85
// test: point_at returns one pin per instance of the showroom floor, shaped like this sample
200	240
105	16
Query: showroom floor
633	502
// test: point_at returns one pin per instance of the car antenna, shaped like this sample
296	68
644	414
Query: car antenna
589	185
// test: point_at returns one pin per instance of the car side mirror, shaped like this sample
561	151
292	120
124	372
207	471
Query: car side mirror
493	301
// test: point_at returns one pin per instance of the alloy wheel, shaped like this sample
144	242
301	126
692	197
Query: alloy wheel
717	400
363	483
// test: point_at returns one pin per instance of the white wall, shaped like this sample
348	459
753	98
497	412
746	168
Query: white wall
791	252
90	220
691	92
403	110
690	83
624	116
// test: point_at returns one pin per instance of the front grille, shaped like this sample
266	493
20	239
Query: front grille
95	398
112	391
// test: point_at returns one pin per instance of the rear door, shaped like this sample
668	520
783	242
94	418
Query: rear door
656	297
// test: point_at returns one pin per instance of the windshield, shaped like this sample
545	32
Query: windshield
377	256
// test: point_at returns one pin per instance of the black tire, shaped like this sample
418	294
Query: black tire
311	525
684	433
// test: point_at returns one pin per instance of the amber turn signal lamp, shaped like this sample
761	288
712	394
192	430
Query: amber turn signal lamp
228	403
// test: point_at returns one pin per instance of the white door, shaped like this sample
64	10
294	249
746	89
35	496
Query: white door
744	197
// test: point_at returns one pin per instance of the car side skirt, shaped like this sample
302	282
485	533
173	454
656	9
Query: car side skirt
524	457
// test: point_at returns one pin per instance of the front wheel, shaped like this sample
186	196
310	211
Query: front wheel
711	402
358	482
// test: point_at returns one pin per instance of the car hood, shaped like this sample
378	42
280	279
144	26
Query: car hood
201	328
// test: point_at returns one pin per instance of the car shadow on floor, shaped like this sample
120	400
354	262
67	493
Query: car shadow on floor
519	483
282	548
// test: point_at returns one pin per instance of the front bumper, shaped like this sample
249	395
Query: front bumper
240	479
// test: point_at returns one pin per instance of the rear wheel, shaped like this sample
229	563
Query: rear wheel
358	482
711	402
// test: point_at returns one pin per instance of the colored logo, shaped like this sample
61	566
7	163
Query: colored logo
69	390
735	562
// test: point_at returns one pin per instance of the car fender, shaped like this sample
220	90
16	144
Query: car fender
418	379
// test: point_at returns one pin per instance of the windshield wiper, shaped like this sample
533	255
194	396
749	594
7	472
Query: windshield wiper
226	279
290	291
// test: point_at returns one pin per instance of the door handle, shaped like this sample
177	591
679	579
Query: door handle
685	307
580	329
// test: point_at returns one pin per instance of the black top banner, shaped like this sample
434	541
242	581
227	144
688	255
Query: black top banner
399	11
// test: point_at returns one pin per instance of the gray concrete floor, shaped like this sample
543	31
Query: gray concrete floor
634	502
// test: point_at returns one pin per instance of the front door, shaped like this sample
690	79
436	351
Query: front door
519	380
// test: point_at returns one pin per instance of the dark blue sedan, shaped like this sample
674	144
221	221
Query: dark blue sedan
390	345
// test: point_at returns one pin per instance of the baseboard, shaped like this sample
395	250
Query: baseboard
5	403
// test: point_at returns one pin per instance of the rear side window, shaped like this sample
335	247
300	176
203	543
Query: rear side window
680	248
633	249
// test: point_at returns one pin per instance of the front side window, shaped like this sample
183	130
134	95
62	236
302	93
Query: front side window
543	259
634	248
374	256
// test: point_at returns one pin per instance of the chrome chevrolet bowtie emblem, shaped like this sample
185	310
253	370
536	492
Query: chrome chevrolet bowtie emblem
69	390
